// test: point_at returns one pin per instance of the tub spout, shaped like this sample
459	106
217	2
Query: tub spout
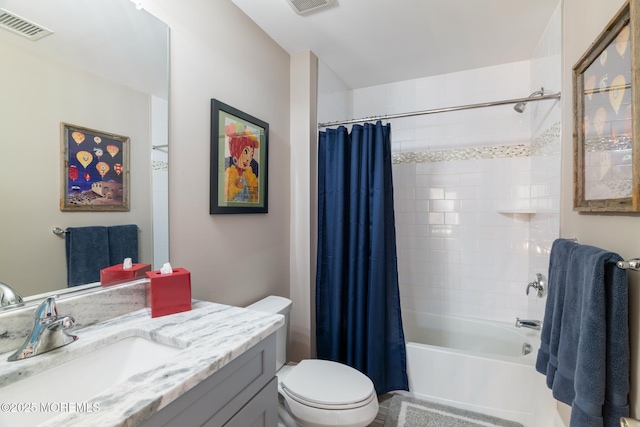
531	324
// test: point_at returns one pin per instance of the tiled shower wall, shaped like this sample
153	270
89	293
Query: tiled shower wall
545	160
160	181
476	191
456	253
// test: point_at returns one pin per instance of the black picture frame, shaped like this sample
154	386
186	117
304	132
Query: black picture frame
239	161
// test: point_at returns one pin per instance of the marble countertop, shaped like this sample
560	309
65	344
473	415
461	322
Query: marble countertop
211	335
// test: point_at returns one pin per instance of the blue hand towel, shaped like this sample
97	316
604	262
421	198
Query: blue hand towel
123	243
547	362
593	352
87	251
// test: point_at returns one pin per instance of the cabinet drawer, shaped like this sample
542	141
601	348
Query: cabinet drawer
216	399
261	411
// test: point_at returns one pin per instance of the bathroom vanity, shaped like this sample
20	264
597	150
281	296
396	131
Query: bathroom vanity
211	366
243	393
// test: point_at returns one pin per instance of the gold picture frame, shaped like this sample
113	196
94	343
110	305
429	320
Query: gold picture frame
95	170
605	97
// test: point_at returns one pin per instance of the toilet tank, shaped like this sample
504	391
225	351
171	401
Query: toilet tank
277	305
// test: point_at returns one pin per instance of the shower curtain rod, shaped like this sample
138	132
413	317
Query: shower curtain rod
441	110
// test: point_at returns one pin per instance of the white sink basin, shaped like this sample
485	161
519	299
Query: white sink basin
78	380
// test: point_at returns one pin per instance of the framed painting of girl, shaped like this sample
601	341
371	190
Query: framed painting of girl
239	147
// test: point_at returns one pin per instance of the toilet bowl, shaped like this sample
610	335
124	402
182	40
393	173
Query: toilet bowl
318	393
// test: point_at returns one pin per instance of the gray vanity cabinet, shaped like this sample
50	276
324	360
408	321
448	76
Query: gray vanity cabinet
243	393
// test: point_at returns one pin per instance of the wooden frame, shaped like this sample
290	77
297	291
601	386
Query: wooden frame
95	170
239	161
606	89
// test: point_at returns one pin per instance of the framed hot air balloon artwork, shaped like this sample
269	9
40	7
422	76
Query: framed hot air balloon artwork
239	167
606	127
95	170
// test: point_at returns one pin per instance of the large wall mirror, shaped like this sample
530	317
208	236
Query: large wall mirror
105	67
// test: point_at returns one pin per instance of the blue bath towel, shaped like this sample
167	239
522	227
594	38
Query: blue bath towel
547	362
593	353
87	251
123	243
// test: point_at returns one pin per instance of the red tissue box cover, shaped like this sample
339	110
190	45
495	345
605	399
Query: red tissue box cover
168	293
116	274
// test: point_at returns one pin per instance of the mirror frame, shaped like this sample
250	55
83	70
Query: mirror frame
627	15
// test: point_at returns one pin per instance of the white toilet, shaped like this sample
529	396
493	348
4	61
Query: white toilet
318	393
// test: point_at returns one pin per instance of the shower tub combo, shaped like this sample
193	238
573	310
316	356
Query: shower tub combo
477	365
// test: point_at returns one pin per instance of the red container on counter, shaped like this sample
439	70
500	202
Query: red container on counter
168	293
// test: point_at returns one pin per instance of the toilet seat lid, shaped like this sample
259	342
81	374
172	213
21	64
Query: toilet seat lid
324	384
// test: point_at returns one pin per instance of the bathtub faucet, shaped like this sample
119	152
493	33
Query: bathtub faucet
531	324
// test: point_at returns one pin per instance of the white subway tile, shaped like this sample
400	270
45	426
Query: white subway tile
422	205
422	181
445	180
452	218
444	206
444	231
474	179
463	193
474	206
435	218
398	135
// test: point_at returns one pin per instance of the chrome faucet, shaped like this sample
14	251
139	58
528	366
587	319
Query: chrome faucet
531	324
9	296
48	332
539	285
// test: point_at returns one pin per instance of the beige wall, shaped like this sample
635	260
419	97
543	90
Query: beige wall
42	94
583	20
218	52
304	77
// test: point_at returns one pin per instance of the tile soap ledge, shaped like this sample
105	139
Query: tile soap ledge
517	211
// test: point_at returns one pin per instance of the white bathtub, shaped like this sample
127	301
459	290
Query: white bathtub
477	365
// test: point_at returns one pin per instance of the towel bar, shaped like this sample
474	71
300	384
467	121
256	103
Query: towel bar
629	422
632	264
60	232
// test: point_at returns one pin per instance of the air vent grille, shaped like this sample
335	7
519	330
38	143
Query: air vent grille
23	27
305	6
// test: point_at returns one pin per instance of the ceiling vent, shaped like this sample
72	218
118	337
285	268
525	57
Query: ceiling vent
302	7
23	27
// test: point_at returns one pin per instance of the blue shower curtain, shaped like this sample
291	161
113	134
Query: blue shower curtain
358	319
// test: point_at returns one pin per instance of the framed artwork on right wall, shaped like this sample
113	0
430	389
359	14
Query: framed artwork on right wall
605	97
239	161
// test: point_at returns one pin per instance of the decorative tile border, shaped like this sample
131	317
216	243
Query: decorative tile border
159	165
474	153
548	142
545	144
